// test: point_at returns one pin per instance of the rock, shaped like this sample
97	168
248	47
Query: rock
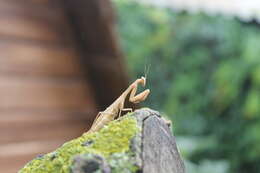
159	152
137	142
154	147
90	163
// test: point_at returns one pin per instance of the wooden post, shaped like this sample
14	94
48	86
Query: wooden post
94	28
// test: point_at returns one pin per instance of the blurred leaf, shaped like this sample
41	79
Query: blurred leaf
252	104
229	78
205	75
256	76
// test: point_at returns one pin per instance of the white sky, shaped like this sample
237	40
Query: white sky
244	9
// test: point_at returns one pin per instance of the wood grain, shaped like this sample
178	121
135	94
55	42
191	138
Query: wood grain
36	60
48	132
40	117
39	9
33	93
21	153
39	125
26	27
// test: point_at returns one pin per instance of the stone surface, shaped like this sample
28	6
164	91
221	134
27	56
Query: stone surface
154	148
137	142
90	163
160	153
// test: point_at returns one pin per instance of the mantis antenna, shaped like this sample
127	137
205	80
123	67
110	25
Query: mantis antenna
146	69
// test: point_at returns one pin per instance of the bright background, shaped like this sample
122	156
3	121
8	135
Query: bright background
204	74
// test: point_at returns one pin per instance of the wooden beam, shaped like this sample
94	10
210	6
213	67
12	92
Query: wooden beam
14	156
19	118
93	24
26	27
48	132
51	12
34	93
39	60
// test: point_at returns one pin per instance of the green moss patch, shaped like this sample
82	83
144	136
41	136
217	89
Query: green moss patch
111	142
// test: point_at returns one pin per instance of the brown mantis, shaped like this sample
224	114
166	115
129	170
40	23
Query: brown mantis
116	108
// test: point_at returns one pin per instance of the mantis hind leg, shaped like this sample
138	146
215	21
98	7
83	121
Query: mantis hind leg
96	119
127	109
124	109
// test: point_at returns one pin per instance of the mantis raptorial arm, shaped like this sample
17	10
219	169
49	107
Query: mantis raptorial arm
141	96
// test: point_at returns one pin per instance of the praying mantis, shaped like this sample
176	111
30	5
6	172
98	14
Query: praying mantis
116	108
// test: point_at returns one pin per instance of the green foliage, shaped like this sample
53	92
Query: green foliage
112	142
205	74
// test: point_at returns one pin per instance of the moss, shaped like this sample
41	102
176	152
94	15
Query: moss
109	142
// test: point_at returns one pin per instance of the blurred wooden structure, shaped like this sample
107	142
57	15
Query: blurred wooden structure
59	64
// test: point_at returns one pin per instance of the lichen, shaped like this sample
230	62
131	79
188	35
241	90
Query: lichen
111	141
122	163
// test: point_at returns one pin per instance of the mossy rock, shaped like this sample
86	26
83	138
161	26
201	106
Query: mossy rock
116	148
